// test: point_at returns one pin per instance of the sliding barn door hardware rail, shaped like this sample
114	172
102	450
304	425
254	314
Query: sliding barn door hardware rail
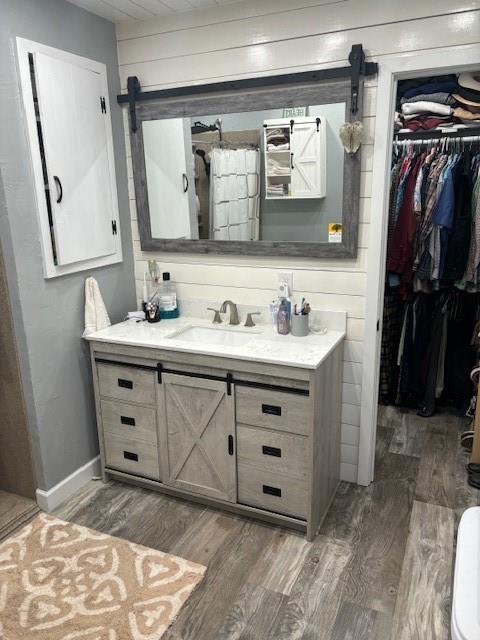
357	70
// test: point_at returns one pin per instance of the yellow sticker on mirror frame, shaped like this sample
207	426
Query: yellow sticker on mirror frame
334	232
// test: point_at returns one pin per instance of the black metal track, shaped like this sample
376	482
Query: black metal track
132	365
271	387
248	83
227	378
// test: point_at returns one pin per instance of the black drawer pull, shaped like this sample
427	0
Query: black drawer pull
230	445
272	491
271	409
271	451
127	420
126	384
128	455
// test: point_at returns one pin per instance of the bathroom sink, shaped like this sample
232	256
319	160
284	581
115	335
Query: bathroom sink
213	336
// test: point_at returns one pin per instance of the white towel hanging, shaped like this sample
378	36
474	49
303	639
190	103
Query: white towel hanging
96	316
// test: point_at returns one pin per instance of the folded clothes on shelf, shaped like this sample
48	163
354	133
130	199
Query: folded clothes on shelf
424	106
440	84
441	97
284	146
277	168
277	190
426	123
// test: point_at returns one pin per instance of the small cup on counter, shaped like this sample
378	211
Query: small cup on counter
299	325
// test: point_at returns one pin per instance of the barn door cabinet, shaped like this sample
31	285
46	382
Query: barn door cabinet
256	439
295	158
67	118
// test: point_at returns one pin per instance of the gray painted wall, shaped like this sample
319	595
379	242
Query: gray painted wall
302	219
48	314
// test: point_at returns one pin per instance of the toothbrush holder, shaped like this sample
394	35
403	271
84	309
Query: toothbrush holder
299	325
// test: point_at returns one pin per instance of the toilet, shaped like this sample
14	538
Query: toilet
465	623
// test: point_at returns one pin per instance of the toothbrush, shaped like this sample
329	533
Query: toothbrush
145	290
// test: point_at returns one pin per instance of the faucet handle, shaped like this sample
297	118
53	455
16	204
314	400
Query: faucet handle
216	318
249	321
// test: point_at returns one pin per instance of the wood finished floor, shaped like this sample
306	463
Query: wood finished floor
380	569
15	511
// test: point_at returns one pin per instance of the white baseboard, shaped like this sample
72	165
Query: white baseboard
51	499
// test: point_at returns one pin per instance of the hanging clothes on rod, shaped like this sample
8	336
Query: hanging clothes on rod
433	267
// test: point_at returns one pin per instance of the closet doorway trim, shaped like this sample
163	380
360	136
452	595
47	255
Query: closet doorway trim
393	68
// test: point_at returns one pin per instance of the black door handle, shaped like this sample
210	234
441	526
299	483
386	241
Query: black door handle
185	182
230	445
59	189
291	161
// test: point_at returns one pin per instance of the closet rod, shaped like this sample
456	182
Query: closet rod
417	141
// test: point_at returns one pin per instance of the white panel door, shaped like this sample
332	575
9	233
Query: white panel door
170	178
305	146
74	129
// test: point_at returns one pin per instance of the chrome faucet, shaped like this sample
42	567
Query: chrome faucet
233	311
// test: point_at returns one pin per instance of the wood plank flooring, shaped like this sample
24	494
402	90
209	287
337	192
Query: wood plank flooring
380	569
15	511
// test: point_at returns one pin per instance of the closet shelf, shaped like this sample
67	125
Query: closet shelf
437	133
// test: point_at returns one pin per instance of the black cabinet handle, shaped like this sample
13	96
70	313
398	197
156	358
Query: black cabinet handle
127	420
128	455
272	491
230	445
126	384
291	161
59	189
271	451
271	409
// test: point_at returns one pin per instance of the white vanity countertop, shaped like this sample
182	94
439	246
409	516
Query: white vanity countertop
265	345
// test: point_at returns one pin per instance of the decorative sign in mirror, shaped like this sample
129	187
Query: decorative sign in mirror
256	172
250	176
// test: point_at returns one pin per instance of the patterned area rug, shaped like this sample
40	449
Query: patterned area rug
60	581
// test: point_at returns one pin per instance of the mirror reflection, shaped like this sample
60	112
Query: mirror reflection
259	175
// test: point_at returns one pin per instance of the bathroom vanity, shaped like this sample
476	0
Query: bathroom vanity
242	419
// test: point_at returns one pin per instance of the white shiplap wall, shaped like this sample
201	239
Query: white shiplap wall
273	36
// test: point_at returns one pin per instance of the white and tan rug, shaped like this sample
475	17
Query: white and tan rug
60	581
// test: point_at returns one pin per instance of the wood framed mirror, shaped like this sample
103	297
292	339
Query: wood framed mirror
256	171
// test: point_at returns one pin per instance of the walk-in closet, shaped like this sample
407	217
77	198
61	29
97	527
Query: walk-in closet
430	340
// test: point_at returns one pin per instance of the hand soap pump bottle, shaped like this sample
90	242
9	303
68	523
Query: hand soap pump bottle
168	298
283	318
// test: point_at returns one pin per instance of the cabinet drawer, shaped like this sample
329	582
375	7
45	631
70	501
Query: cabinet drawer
129	420
272	491
275	409
128	454
278	452
126	383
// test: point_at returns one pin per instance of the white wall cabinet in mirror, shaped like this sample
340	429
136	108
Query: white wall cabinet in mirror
295	157
67	112
234	173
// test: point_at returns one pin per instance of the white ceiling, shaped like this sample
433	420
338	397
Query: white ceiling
130	10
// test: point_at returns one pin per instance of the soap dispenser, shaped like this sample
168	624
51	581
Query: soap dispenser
283	318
